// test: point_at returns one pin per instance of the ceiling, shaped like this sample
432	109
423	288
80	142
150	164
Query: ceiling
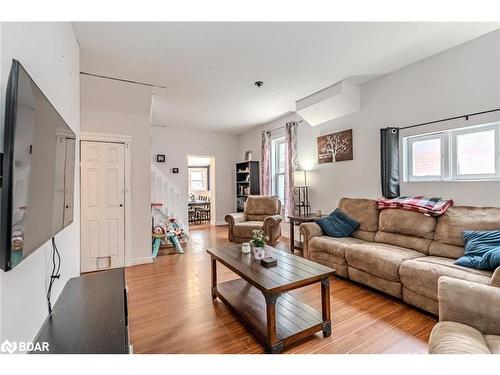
209	69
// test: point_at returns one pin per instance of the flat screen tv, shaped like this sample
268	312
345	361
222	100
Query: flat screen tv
38	169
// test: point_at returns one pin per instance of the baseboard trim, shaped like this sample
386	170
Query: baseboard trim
136	262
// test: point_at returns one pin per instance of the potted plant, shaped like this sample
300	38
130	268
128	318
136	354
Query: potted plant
258	243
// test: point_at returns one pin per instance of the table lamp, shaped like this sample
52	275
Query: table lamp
302	190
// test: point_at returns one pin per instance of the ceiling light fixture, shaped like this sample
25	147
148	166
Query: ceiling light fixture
258	83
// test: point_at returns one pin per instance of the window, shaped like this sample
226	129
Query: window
459	154
278	168
426	157
476	153
198	179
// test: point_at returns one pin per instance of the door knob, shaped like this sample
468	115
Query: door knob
121	205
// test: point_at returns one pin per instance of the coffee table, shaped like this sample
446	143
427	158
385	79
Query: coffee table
260	300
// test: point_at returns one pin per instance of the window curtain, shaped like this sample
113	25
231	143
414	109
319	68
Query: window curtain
291	165
389	160
265	171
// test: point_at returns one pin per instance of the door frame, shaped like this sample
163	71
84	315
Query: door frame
126	140
213	188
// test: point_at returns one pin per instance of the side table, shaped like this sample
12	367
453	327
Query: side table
297	220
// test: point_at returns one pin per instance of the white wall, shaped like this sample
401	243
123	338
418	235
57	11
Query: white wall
50	54
114	107
458	81
177	144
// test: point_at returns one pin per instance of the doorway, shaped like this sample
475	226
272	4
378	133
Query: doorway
201	190
102	205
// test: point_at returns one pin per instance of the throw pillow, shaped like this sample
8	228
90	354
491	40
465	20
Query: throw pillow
482	250
337	224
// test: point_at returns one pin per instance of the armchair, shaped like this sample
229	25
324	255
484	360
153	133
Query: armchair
469	317
260	212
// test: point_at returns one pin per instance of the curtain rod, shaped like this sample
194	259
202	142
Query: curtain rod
121	80
283	127
451	118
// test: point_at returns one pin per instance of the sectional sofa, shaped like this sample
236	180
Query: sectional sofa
469	318
402	253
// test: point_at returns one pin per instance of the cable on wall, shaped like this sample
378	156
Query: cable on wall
55	274
122	80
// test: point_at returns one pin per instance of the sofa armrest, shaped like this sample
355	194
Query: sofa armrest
495	279
272	220
309	231
469	303
238	217
272	228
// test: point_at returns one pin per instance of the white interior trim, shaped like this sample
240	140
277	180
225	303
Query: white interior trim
126	140
454	152
105	137
136	262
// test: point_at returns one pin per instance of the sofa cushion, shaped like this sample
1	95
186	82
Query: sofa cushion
337	224
337	263
482	250
244	230
457	219
365	212
444	250
457	338
425	303
495	279
258	207
332	245
379	259
408	229
392	288
421	275
493	343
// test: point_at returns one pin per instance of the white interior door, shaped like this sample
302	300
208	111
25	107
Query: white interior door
102	205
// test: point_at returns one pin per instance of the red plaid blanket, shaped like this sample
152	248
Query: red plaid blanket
428	206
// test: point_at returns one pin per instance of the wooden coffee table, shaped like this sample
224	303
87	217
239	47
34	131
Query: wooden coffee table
260	300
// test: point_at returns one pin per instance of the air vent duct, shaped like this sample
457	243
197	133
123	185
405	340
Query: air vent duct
330	103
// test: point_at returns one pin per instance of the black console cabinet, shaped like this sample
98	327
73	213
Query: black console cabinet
90	316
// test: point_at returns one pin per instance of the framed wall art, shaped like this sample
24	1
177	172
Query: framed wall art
335	147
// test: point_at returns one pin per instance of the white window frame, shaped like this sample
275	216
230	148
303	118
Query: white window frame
204	172
449	157
275	165
408	156
454	151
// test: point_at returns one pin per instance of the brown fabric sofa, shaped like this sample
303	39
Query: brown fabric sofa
402	253
260	212
469	317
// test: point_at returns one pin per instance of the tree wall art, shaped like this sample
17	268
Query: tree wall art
335	147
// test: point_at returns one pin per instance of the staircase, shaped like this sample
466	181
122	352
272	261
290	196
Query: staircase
165	192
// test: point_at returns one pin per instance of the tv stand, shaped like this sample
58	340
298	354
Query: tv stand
90	316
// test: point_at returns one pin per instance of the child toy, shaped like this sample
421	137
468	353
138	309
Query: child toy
167	229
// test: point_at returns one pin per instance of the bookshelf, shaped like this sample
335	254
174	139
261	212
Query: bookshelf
247	182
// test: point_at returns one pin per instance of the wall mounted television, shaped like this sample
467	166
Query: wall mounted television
38	170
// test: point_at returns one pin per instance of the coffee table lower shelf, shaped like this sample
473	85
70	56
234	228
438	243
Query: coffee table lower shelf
295	320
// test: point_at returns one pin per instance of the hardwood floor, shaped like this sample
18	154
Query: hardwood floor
171	310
